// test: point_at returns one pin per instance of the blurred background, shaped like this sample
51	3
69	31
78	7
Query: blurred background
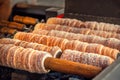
57	3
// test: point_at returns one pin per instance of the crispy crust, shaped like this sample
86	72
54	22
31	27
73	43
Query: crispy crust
16	56
87	58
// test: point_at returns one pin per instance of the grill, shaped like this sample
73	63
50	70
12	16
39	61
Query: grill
93	10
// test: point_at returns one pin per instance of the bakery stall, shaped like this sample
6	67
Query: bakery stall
80	41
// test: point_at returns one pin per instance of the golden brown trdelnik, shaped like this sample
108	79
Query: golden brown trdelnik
85	31
14	25
8	30
23	58
25	19
55	51
109	42
88	24
67	44
87	58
